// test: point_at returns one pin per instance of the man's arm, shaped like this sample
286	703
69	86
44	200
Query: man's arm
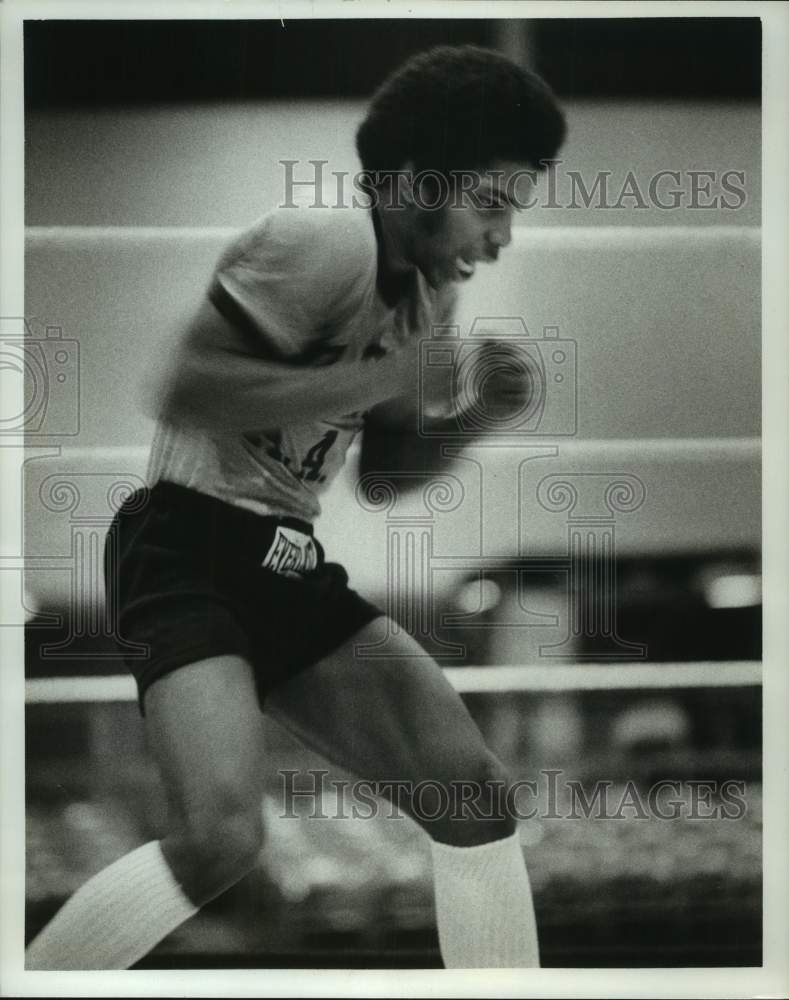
215	381
393	441
394	436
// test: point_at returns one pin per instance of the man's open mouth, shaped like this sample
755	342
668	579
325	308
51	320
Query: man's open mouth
464	268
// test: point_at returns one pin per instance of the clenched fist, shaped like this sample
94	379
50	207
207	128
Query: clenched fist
495	382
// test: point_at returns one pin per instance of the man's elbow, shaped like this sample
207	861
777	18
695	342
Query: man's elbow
177	399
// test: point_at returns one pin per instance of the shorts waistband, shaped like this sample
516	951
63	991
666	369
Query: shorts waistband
216	525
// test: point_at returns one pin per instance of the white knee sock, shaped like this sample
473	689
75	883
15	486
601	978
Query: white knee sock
115	918
484	906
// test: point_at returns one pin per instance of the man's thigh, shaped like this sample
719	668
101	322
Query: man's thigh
205	731
393	719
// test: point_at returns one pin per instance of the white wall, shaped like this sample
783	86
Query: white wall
218	165
664	308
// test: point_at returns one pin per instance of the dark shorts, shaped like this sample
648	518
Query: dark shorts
185	581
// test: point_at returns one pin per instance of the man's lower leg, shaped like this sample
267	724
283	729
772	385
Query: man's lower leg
116	918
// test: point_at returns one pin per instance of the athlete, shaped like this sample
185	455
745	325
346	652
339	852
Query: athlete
310	326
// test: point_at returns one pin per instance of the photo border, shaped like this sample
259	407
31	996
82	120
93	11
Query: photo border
773	978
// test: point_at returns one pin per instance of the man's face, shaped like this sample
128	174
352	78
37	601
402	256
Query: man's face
472	224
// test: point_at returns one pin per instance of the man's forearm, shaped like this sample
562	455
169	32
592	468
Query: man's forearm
217	380
231	392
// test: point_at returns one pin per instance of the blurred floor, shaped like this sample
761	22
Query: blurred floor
619	891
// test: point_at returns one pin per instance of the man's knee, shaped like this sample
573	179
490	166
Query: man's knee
467	804
216	845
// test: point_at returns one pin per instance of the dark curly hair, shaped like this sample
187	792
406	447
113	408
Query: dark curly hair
456	108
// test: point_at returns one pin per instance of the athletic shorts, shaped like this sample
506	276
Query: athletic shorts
190	577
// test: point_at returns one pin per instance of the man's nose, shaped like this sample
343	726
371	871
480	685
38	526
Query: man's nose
500	234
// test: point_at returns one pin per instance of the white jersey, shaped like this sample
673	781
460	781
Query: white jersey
300	286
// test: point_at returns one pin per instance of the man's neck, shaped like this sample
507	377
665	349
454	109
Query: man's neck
396	273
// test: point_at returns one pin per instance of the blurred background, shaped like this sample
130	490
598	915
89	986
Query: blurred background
147	145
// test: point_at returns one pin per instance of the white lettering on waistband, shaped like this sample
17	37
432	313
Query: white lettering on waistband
291	552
